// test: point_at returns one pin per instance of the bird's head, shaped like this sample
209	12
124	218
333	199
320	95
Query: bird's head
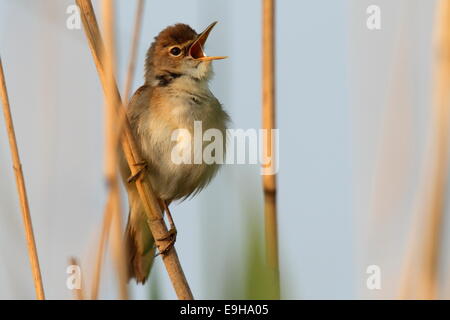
179	50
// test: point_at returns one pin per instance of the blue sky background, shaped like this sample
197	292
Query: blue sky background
332	76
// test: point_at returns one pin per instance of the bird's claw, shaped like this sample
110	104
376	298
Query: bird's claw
171	238
142	168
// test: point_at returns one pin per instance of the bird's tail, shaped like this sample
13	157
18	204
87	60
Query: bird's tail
140	243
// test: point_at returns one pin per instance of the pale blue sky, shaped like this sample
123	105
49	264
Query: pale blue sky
328	72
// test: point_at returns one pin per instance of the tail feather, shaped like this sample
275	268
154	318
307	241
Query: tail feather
140	245
139	240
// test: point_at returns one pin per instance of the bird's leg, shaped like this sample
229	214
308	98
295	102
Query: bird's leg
172	233
173	229
142	168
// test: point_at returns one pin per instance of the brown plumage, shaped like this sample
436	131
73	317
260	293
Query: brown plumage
175	94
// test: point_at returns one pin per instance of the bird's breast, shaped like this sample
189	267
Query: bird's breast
186	110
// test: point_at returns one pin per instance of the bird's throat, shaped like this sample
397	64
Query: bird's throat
166	78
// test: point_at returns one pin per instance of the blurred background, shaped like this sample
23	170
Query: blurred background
355	113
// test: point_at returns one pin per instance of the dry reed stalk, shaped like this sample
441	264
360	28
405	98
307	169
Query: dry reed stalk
107	214
268	123
101	249
21	189
149	201
111	143
441	113
134	50
78	293
117	243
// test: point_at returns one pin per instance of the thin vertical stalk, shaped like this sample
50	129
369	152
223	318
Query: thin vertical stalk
117	243
78	293
441	113
107	214
149	201
268	123
134	50
111	151
106	225
21	189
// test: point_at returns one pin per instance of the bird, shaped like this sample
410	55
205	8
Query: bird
174	96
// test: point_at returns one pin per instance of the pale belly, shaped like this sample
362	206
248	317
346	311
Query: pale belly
170	179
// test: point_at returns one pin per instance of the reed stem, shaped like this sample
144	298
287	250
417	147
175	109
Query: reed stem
441	113
111	143
106	225
134	50
107	214
268	123
21	189
78	293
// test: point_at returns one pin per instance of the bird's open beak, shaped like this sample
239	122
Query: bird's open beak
196	51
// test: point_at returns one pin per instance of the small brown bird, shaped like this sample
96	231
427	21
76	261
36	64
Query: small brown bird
174	96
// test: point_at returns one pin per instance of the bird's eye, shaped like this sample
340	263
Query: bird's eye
175	51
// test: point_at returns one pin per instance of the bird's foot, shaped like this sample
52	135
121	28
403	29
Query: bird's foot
142	167
170	238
